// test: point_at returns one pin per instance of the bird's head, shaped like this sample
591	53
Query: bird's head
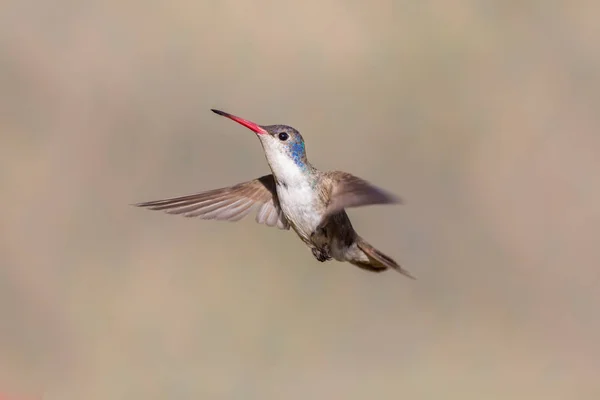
277	140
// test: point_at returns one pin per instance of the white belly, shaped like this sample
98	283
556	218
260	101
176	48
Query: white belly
299	204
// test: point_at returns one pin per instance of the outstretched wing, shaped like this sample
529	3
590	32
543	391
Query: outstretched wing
229	204
348	191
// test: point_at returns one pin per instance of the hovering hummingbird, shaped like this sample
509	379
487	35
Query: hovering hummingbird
295	195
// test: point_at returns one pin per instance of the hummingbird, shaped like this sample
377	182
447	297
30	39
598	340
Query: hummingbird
295	195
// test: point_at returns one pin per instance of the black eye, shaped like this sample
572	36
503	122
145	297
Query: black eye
283	136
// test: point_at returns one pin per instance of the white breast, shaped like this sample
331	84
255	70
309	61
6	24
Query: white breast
297	197
299	206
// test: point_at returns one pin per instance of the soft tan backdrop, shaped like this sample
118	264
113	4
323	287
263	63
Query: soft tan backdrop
482	115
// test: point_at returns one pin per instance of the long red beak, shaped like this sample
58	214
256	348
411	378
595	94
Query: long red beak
248	124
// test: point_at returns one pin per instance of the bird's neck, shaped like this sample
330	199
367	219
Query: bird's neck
290	171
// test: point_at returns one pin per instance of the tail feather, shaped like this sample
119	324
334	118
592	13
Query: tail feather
378	261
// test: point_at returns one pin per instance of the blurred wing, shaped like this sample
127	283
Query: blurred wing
348	191
228	204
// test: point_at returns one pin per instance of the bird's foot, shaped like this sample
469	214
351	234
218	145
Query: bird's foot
321	254
319	240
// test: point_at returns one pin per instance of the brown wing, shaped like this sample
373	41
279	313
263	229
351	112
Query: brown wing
348	191
229	204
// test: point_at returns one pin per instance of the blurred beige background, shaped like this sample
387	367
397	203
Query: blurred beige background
482	115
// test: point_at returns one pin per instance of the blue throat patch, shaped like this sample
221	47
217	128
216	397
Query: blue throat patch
298	153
